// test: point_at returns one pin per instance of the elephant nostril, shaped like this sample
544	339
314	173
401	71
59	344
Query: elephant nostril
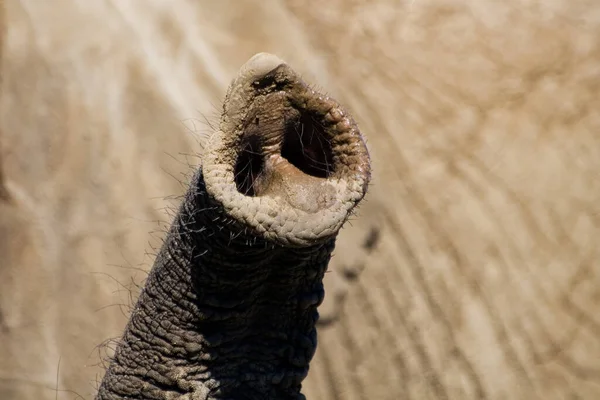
306	146
293	136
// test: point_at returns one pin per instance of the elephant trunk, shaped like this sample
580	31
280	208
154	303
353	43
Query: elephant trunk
230	305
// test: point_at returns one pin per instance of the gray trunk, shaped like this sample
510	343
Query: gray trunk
230	306
224	313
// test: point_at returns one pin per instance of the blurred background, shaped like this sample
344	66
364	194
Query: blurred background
472	270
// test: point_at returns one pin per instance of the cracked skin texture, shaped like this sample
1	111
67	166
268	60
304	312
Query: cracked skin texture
230	306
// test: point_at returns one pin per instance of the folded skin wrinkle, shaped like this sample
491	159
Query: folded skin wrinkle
230	305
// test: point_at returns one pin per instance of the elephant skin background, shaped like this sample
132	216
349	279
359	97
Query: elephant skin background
472	270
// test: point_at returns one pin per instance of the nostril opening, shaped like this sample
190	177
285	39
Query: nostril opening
249	166
306	146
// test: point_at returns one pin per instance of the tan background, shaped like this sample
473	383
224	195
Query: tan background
483	119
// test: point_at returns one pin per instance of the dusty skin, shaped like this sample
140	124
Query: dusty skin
472	270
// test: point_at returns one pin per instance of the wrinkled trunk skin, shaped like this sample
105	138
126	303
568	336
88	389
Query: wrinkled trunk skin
230	306
230	318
